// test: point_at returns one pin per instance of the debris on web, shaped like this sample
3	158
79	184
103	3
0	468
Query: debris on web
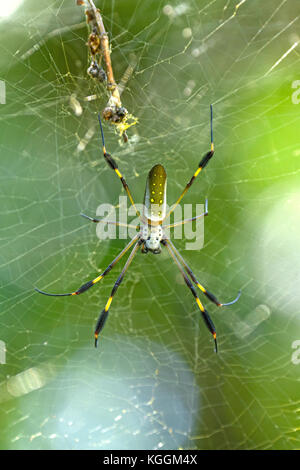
100	69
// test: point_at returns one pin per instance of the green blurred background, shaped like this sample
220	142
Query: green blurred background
155	381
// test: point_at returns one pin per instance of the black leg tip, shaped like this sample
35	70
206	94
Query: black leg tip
233	301
40	291
216	344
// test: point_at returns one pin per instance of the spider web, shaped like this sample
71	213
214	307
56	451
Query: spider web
155	381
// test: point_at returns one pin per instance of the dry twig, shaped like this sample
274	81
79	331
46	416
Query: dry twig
99	49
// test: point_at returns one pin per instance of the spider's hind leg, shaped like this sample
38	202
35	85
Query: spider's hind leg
206	318
208	294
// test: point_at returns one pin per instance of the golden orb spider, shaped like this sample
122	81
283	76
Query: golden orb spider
151	235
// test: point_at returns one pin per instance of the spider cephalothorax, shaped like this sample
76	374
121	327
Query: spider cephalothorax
151	237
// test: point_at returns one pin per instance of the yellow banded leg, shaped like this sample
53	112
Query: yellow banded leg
207	320
91	283
104	314
208	294
111	162
201	165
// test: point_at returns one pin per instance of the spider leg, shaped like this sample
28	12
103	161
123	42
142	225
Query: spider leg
207	320
112	164
118	224
91	283
201	165
208	294
104	314
185	221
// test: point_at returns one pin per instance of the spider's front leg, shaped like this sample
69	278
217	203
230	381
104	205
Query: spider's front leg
113	165
201	165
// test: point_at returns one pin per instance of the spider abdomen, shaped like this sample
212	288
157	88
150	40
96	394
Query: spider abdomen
155	194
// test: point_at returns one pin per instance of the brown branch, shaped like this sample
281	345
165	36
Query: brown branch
99	48
106	54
